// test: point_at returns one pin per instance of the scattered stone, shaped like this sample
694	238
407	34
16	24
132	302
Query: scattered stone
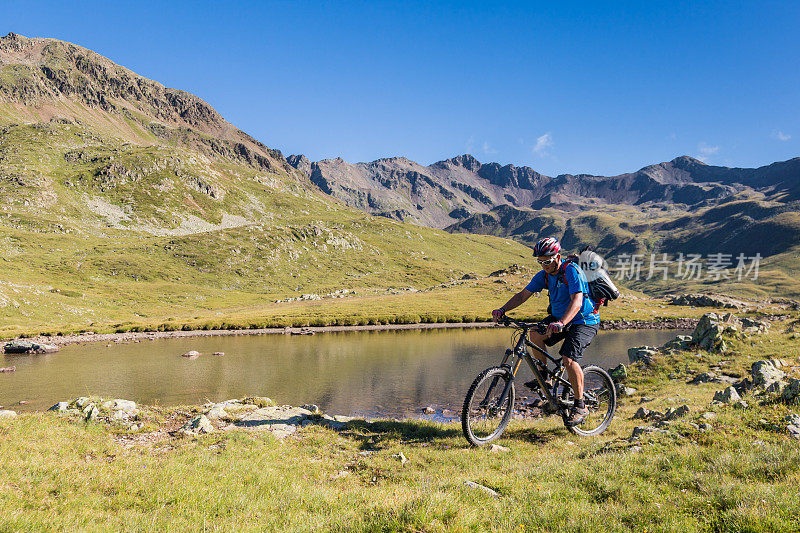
645	399
741	404
496	448
428	410
618	373
487	490
216	412
197	425
709	415
635	449
218	354
5	413
400	457
672	376
792	391
469	275
60	407
23	402
191	354
622	390
705	377
677	412
708	334
314	409
642	354
8	369
642	414
794	431
681	342
792	419
728	395
705	300
90	412
765	373
638	431
28	347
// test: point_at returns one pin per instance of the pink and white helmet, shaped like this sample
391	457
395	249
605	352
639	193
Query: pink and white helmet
547	247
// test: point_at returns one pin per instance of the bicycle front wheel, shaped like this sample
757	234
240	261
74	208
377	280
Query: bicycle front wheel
600	397
489	406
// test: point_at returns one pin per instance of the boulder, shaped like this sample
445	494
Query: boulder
706	300
60	407
197	425
618	373
728	395
191	354
638	431
705	377
677	412
5	413
29	347
791	392
681	342
765	373
644	354
216	412
709	332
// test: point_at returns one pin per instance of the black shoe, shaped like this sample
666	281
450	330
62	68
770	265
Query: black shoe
577	416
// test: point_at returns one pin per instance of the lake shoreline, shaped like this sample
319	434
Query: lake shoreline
63	340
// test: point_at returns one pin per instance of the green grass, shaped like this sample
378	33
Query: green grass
742	476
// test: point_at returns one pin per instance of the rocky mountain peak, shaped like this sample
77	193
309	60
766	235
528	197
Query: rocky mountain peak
466	161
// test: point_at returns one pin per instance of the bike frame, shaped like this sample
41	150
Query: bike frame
520	353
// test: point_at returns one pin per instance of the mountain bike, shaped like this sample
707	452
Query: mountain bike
489	405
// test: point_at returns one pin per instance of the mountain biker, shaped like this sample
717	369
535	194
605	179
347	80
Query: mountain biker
572	315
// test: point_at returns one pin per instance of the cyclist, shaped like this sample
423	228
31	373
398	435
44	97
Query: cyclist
572	315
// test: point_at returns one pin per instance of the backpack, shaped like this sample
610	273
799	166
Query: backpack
601	289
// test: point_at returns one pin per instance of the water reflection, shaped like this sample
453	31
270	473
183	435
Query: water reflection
392	373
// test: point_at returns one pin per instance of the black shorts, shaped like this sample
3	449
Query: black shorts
576	338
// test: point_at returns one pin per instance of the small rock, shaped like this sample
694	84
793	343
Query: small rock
765	373
199	424
60	407
216	412
622	390
677	412
618	373
642	414
5	413
638	431
428	410
709	415
400	457
191	354
645	399
704	426
487	490
496	448
741	404
728	395
705	377
313	408
7	369
219	354
90	412
23	402
635	449
792	419
792	391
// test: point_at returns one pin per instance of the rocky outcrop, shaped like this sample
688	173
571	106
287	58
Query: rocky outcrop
706	300
21	347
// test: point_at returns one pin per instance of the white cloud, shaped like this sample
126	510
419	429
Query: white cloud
543	145
470	144
781	136
707	150
488	149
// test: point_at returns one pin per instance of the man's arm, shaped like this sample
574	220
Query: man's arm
575	304
518	299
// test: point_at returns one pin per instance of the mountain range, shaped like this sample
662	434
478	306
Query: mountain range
143	199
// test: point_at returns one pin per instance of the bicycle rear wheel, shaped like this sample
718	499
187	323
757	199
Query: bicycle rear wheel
600	397
488	406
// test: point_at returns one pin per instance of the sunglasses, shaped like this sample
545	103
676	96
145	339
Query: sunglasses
546	261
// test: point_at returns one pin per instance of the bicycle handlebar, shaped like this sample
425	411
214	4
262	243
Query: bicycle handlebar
524	325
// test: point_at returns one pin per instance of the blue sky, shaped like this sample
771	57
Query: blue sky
563	87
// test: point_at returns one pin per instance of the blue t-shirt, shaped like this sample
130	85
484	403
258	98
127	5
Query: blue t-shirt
560	293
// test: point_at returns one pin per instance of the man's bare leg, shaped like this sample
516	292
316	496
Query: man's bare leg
575	375
538	339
